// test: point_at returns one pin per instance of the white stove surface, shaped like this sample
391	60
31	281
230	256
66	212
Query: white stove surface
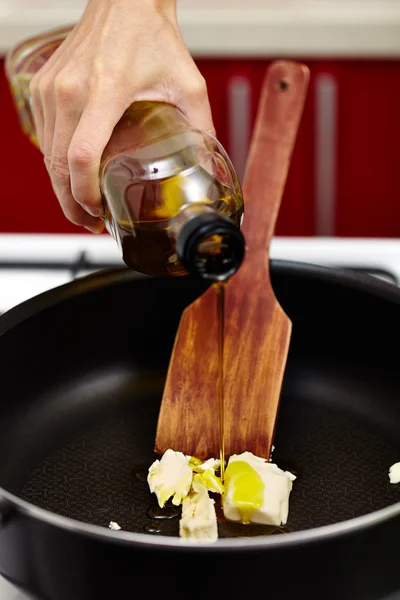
32	264
8	592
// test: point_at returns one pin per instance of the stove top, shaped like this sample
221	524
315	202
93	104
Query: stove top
32	264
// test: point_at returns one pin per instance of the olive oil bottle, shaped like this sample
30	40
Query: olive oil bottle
171	196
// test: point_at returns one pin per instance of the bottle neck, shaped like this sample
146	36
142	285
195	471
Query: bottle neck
208	244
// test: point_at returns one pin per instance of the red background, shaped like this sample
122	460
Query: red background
367	202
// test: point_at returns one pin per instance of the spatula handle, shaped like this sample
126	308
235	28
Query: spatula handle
280	108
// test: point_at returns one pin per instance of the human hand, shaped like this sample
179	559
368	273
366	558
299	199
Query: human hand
121	51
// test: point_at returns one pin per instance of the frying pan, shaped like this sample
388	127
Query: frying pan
82	371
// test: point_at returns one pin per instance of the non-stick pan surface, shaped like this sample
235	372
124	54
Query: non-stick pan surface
82	372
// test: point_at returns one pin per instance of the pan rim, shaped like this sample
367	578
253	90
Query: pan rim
52	297
106	277
304	537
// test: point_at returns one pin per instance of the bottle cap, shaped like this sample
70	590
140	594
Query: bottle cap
211	246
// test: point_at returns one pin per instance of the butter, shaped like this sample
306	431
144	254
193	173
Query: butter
394	473
211	463
170	477
256	491
244	490
198	521
210	481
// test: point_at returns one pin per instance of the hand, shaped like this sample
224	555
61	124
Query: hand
119	52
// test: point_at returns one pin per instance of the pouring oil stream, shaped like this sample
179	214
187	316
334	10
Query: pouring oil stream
220	288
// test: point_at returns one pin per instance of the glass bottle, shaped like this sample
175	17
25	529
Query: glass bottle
171	197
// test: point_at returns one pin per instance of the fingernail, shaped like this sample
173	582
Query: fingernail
95	229
94	211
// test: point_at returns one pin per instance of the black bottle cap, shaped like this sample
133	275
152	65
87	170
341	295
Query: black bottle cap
211	245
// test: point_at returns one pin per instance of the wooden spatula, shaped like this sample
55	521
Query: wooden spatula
257	331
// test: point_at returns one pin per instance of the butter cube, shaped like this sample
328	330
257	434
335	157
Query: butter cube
199	520
256	491
170	476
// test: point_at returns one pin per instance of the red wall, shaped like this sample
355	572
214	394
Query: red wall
367	194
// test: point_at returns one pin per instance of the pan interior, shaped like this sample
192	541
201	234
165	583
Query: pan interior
79	413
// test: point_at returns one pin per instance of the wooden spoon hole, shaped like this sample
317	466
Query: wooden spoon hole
283	85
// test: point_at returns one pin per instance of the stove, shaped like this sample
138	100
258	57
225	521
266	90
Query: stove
32	264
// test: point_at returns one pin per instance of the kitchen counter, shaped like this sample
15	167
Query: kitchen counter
284	28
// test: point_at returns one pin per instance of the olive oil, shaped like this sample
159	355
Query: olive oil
249	489
220	289
152	528
149	242
169	511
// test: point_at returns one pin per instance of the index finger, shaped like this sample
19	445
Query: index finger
91	136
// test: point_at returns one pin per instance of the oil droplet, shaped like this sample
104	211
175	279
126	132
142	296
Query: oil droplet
163	514
142	476
152	528
140	472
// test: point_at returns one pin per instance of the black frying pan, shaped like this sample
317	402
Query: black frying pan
82	369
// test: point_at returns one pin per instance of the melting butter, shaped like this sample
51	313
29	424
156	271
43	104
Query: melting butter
256	491
247	488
